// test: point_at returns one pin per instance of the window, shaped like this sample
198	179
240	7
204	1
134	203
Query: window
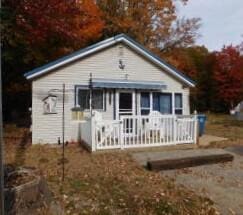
178	103
162	102
83	97
145	103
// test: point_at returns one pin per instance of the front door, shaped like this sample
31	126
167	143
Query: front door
126	107
126	103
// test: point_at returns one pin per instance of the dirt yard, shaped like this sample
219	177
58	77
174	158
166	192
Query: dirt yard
104	183
108	183
113	183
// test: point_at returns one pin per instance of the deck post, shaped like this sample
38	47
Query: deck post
92	129
196	138
121	139
174	129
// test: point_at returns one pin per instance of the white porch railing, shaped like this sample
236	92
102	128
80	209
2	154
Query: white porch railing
145	131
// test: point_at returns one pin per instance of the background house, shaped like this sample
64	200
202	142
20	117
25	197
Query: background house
238	111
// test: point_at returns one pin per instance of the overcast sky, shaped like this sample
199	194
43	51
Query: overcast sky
222	21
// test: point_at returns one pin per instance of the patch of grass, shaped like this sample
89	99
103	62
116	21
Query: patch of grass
43	160
224	126
78	184
164	208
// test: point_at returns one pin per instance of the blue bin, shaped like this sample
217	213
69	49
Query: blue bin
201	121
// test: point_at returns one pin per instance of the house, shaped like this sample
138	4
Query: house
126	80
237	112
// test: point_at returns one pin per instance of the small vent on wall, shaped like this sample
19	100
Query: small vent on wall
121	51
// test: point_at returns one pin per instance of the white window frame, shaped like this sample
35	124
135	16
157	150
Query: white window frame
151	101
86	88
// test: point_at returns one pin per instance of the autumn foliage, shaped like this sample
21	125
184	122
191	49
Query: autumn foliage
71	21
228	75
51	28
35	32
154	24
219	75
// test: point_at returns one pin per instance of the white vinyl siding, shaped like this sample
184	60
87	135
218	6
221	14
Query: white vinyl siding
104	64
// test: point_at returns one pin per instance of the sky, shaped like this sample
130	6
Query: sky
222	21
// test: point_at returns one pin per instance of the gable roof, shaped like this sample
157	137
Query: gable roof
104	44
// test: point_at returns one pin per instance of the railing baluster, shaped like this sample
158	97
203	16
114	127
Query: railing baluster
133	130
125	133
110	134
128	132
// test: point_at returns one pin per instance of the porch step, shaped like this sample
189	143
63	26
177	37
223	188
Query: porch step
168	164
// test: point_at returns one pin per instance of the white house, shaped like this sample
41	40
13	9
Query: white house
130	88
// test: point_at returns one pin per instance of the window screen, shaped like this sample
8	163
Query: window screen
97	99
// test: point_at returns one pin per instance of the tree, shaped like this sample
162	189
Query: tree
195	62
35	32
152	23
228	74
48	29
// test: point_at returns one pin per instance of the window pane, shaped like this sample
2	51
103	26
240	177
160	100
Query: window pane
162	102
83	98
178	111
97	99
165	103
145	100
125	101
145	111
178	100
156	101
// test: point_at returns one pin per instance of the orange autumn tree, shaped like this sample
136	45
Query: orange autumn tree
35	32
154	24
48	29
228	75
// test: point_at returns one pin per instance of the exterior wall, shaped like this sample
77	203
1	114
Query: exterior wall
47	128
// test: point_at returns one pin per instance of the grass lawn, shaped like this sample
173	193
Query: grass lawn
223	125
106	183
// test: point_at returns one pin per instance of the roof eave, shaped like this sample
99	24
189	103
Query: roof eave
101	45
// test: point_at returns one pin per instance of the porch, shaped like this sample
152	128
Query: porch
139	131
131	114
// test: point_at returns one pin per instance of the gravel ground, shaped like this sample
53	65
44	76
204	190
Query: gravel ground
222	183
